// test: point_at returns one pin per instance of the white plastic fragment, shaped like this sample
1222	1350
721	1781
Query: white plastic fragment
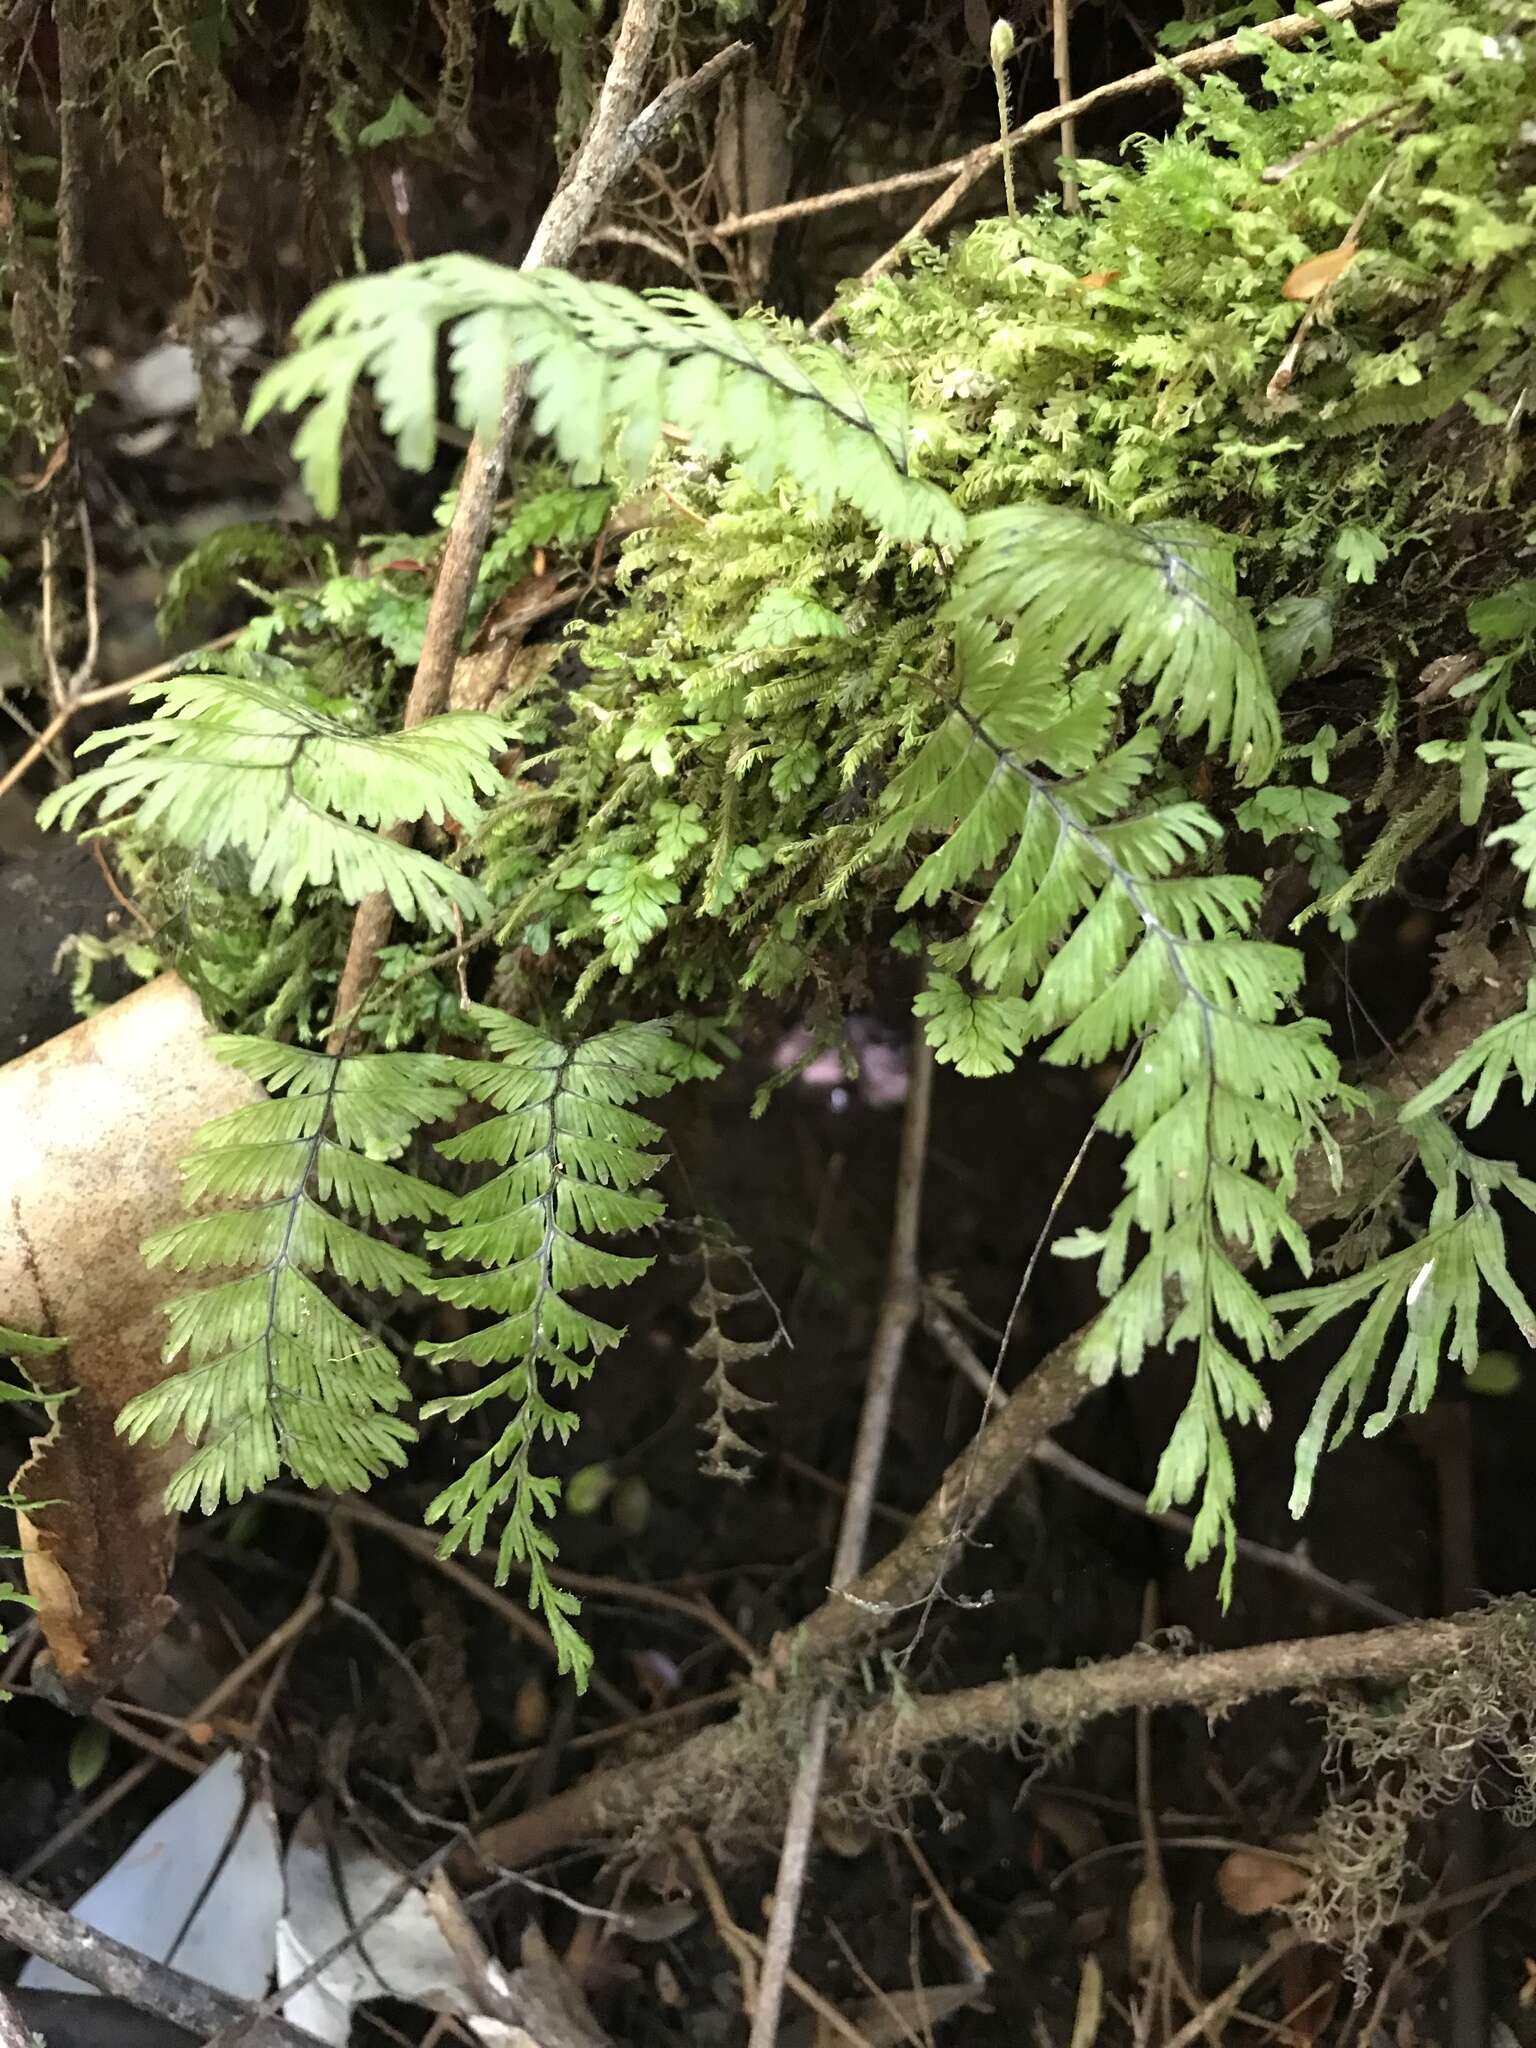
146	1898
402	1955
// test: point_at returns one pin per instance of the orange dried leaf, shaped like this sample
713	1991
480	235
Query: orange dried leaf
1318	272
1096	280
1253	1881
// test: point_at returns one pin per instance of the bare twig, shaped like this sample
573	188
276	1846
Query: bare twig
614	142
953	1342
898	1312
58	1938
1286	369
965	171
614	1801
287	1631
1056	1389
974	164
1276	174
1061	63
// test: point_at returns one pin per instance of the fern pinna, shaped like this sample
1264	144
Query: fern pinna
277	1375
574	1159
1095	931
273	771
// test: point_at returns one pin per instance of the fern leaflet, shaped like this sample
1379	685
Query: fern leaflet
574	1159
276	1374
1435	1283
1158	602
601	361
270	770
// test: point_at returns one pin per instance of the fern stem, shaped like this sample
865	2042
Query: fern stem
1002	50
280	1259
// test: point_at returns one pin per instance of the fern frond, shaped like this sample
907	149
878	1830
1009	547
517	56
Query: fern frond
1502	1051
601	362
1157	603
271	771
276	1375
1435	1284
1091	937
574	1160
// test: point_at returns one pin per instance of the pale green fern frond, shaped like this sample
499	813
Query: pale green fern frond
601	362
1502	1051
271	771
1435	1285
574	1158
1157	604
1089	935
276	1375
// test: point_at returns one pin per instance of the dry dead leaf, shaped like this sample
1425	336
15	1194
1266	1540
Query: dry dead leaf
1255	1881
92	1125
1318	272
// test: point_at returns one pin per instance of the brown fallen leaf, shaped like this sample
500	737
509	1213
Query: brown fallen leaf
1318	272
1254	1881
92	1125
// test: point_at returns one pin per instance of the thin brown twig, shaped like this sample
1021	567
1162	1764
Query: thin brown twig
81	1823
733	1936
973	164
425	1546
898	1312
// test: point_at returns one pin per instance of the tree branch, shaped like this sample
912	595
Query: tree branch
686	1783
967	170
58	1938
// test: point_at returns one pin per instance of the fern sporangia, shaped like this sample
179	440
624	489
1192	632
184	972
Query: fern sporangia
1091	933
276	1374
574	1160
603	364
276	772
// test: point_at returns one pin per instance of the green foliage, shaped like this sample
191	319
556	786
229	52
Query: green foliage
1435	1284
603	364
276	1374
1007	637
269	770
1091	935
574	1158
